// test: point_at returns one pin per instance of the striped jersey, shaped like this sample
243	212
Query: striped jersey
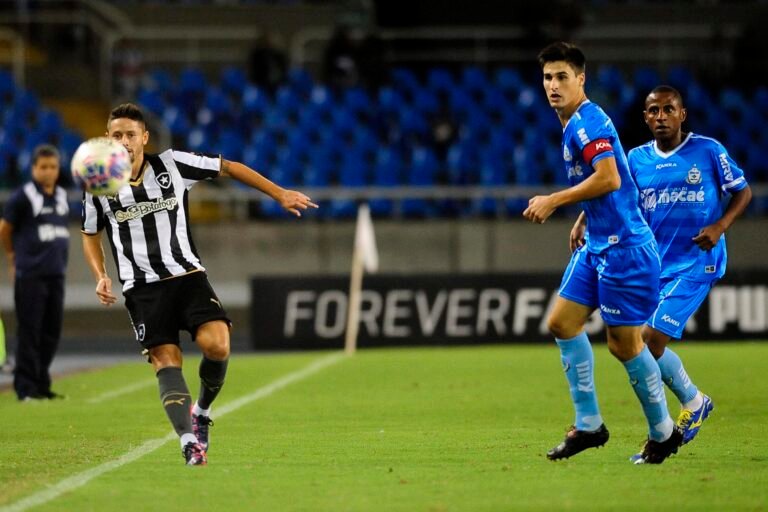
613	218
147	221
683	191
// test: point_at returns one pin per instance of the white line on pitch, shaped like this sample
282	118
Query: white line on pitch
121	391
80	479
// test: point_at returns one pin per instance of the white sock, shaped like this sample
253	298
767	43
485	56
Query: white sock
694	404
186	439
197	411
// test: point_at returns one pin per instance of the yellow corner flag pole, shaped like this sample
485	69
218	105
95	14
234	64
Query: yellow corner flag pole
365	257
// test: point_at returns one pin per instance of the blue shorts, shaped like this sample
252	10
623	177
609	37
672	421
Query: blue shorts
622	281
678	301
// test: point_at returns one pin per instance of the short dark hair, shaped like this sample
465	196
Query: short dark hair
668	89
43	151
570	53
127	111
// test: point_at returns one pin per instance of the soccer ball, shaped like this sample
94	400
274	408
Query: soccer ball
101	166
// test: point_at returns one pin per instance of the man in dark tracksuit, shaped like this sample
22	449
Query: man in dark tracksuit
34	234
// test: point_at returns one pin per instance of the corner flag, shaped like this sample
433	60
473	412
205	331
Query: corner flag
365	256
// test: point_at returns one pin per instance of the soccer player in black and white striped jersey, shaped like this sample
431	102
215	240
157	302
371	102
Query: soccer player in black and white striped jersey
165	286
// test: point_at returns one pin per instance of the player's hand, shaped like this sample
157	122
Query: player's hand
708	237
294	201
104	291
576	238
539	209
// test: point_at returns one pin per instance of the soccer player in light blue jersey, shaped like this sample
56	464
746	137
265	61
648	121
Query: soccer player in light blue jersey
691	193
615	271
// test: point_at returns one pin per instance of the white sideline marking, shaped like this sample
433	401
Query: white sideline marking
80	479
121	391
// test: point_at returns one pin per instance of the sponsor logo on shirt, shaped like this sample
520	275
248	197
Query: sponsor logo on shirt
709	269
582	133
694	176
139	210
49	232
652	198
727	173
648	197
575	170
613	239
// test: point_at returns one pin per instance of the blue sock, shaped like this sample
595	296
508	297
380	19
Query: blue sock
645	378
675	376
579	364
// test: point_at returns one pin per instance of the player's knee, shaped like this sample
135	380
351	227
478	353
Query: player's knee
561	328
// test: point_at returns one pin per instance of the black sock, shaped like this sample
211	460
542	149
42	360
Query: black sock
175	398
212	375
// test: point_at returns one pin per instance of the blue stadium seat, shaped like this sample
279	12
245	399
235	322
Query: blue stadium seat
255	101
463	162
680	77
358	101
233	81
645	79
404	81
152	101
287	101
159	80
509	81
390	101
7	87
300	81
474	79
426	102
440	80
176	121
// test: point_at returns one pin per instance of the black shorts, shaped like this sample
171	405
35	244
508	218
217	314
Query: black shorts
160	310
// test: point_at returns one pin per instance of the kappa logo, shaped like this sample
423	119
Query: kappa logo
178	401
164	180
694	176
602	145
670	320
610	311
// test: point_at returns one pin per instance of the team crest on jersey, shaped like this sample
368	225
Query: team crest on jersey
694	176
140	332
567	154
164	180
648	196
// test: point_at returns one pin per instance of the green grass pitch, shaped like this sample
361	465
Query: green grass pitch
427	429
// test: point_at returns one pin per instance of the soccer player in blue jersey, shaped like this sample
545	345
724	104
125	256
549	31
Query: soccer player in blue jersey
616	270
691	193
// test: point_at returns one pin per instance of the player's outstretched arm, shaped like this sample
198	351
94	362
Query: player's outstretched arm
710	235
291	200
94	257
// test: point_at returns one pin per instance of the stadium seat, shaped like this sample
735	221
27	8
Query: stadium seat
233	81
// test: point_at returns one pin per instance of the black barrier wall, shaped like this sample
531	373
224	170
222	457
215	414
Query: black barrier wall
290	313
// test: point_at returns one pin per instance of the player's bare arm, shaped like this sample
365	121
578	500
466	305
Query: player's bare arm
710	235
6	239
94	256
578	231
605	179
290	200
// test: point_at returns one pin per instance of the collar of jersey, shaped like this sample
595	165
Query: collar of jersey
668	154
135	182
586	100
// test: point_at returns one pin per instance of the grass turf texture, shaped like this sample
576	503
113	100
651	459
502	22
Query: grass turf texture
407	429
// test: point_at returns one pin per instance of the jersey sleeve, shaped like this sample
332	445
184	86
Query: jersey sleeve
14	209
92	215
197	166
729	175
593	137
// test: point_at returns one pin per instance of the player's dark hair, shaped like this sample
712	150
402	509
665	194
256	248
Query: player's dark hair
670	90
43	151
570	53
127	111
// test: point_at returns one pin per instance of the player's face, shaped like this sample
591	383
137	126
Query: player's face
664	115
131	134
561	83
46	171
